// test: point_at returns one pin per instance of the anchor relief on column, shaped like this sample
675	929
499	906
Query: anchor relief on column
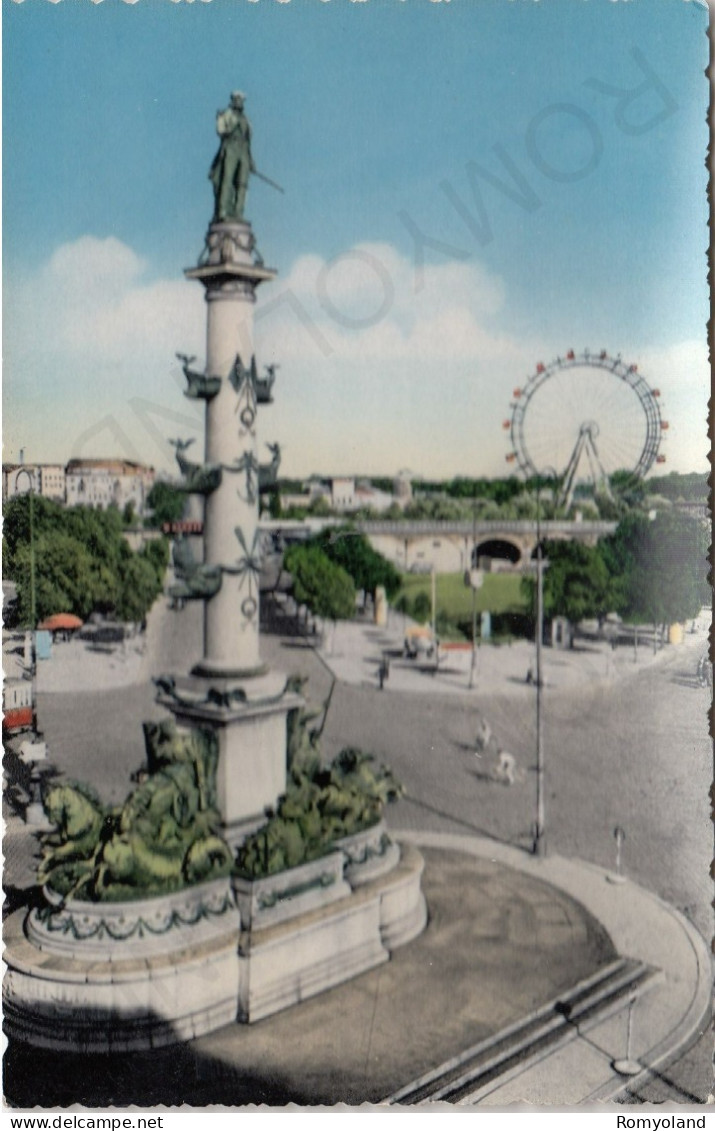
248	569
262	387
260	477
246	399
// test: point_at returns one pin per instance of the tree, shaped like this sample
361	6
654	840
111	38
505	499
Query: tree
498	490
46	516
353	552
692	487
82	562
628	489
320	507
659	567
166	504
157	553
403	605
620	552
102	532
323	586
63	577
140	586
526	507
104	587
576	582
422	607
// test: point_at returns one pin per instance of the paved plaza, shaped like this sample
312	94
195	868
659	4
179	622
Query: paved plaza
353	652
505	998
626	745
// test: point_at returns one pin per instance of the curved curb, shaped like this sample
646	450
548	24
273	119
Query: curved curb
641	925
692	1024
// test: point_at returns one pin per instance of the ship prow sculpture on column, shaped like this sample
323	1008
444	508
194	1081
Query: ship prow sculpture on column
242	874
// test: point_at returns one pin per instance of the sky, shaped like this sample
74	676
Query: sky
471	187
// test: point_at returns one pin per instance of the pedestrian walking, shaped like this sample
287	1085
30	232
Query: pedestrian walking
507	767
483	739
705	671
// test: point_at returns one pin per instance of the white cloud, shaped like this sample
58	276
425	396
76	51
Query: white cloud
363	304
375	373
682	374
89	337
100	308
94	263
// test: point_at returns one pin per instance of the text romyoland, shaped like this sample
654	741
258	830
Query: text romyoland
660	1123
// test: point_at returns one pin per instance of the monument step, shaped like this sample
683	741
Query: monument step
508	1051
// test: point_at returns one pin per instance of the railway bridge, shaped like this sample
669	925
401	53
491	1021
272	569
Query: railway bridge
450	547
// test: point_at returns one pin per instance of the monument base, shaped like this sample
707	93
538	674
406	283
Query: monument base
249	720
118	977
111	989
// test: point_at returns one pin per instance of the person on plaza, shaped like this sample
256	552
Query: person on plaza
483	739
233	163
506	771
705	671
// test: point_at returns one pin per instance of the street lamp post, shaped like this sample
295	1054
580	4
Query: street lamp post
31	493
473	566
474	579
433	594
539	844
539	831
473	660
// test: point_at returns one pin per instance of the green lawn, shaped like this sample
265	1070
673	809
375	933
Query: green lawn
500	593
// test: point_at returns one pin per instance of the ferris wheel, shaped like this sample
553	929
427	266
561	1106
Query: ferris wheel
587	416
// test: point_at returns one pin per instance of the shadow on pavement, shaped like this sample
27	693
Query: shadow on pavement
498	945
478	829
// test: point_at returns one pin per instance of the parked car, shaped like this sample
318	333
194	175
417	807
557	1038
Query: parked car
419	641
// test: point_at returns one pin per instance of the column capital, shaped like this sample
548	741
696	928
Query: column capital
214	275
230	254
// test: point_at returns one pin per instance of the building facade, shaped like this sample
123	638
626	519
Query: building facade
344	494
46	479
101	483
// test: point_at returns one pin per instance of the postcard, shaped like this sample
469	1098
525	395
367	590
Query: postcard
356	530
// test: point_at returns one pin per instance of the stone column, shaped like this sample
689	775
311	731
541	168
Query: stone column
230	690
230	277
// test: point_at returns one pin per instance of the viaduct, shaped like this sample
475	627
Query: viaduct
451	547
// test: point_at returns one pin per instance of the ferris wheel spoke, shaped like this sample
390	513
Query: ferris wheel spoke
622	455
610	402
611	399
567	390
618	458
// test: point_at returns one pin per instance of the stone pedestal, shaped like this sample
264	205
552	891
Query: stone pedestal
115	977
284	963
249	719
